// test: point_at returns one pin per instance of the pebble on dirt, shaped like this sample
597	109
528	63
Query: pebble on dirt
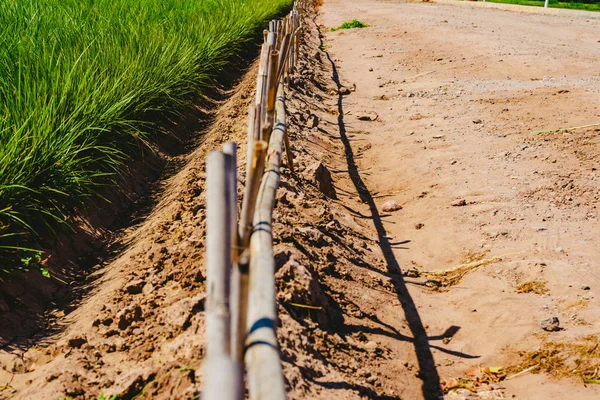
344	91
551	324
367	116
77	341
390	206
459	203
135	287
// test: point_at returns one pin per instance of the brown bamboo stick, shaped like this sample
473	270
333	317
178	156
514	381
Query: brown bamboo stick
270	95
251	137
235	299
288	153
283	56
265	374
250	191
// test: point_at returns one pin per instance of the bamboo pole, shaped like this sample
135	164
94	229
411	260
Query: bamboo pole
265	374
218	363
218	255
283	55
261	79
235	297
270	95
251	137
250	191
222	379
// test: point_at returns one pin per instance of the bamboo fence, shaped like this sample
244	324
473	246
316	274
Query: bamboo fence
241	311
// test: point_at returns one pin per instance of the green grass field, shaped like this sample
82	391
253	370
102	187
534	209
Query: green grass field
77	80
587	6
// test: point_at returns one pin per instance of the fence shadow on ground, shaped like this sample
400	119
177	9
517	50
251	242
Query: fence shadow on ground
431	387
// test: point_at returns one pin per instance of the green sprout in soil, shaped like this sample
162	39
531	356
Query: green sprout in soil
350	24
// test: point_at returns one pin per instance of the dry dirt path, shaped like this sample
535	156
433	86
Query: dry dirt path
457	91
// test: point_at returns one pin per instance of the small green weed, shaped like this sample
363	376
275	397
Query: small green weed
350	24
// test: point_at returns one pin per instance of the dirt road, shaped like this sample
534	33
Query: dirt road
455	92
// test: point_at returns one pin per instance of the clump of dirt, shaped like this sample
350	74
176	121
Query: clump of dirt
578	358
537	287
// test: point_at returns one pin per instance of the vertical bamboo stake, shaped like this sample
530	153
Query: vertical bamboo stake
229	149
251	137
250	191
218	256
283	56
270	95
218	366
263	64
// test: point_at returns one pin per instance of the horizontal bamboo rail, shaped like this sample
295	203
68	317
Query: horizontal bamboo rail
241	310
265	375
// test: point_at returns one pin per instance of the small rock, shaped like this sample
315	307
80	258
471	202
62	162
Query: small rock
493	235
76	341
312	121
560	250
390	206
412	273
130	382
367	116
135	287
551	324
322	178
371	380
459	203
477	121
439	136
128	315
344	91
52	377
539	228
370	69
585	287
419	225
371	346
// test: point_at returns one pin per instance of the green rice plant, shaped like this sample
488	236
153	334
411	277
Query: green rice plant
350	24
81	79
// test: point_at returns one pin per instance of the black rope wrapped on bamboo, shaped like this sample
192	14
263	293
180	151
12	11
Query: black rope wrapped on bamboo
265	373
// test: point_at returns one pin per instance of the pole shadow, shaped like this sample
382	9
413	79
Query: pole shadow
431	385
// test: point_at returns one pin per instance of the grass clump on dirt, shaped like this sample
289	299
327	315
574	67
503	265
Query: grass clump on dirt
537	287
589	5
79	81
577	358
350	25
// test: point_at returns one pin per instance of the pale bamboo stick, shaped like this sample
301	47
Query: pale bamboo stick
218	366
218	256
265	374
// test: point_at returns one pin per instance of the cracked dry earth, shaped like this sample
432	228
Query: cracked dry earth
428	230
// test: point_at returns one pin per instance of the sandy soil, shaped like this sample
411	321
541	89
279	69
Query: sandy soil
457	91
432	107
